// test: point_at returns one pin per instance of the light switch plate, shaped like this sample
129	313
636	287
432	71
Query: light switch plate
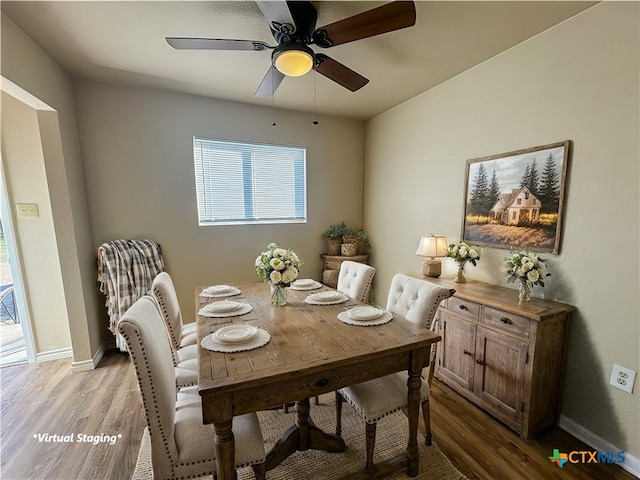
622	378
27	210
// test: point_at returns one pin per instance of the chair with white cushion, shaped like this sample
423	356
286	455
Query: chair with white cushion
354	280
181	445
417	301
183	338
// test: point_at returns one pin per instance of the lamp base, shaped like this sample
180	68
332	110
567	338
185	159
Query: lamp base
431	267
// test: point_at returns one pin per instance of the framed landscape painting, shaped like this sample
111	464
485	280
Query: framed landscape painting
515	199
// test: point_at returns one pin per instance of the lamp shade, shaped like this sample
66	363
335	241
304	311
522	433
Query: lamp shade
432	246
293	60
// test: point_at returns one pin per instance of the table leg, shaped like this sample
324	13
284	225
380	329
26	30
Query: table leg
304	435
413	411
225	447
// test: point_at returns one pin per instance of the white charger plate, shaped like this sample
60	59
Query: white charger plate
223	306
364	313
218	289
235	334
326	296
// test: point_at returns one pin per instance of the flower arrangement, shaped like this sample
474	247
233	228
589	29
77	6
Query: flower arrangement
527	266
462	252
278	266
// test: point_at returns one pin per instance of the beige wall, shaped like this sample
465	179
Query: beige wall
137	148
22	154
25	64
577	81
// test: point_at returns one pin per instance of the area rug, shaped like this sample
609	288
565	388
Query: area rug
391	440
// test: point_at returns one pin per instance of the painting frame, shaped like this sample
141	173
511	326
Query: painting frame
515	200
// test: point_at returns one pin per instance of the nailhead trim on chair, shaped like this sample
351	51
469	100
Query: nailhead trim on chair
165	315
154	395
160	301
159	296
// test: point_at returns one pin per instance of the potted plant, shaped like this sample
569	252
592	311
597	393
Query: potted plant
363	242
333	236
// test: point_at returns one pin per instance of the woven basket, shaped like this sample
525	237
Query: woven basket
357	241
330	278
333	246
348	250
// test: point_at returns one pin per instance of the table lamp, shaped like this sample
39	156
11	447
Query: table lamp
432	247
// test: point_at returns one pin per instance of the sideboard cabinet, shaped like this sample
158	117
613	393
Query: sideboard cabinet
505	356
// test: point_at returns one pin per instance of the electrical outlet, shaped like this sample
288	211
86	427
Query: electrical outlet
622	378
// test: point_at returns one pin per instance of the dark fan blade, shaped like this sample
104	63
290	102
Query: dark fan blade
270	83
215	44
339	73
387	18
279	16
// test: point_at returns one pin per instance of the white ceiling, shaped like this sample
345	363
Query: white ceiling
124	42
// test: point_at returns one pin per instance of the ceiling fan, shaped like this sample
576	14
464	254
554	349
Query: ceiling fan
293	25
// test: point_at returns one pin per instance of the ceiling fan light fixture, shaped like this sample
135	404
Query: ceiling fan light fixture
293	60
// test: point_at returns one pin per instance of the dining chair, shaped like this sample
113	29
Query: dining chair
181	445
183	338
354	280
417	301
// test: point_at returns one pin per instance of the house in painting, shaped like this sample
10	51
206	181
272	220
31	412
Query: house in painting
517	207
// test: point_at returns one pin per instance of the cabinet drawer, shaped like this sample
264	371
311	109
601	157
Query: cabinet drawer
506	321
464	308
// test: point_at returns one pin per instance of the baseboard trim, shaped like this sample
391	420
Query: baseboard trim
54	355
631	464
86	365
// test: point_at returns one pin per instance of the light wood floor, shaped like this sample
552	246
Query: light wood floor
48	399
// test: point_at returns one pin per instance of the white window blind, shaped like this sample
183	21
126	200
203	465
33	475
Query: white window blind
239	182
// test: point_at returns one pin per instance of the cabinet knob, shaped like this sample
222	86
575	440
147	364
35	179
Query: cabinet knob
466	352
323	382
462	307
479	362
505	320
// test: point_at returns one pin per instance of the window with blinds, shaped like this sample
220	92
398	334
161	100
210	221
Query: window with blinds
241	183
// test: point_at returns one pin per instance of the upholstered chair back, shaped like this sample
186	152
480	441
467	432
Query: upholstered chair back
143	329
416	300
354	280
165	294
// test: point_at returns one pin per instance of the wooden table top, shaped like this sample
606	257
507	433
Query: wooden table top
308	350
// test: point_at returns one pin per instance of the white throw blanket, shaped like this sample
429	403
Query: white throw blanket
126	269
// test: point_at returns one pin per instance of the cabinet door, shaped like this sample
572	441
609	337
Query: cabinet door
457	350
500	374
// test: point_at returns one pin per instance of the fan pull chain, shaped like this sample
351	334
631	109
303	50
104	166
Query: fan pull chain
315	100
273	110
273	98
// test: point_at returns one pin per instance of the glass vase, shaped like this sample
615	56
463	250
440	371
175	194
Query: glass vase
524	290
278	295
460	278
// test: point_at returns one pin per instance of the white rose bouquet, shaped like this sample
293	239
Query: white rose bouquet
278	266
526	266
462	251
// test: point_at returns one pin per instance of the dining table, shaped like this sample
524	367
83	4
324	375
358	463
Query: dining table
308	351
